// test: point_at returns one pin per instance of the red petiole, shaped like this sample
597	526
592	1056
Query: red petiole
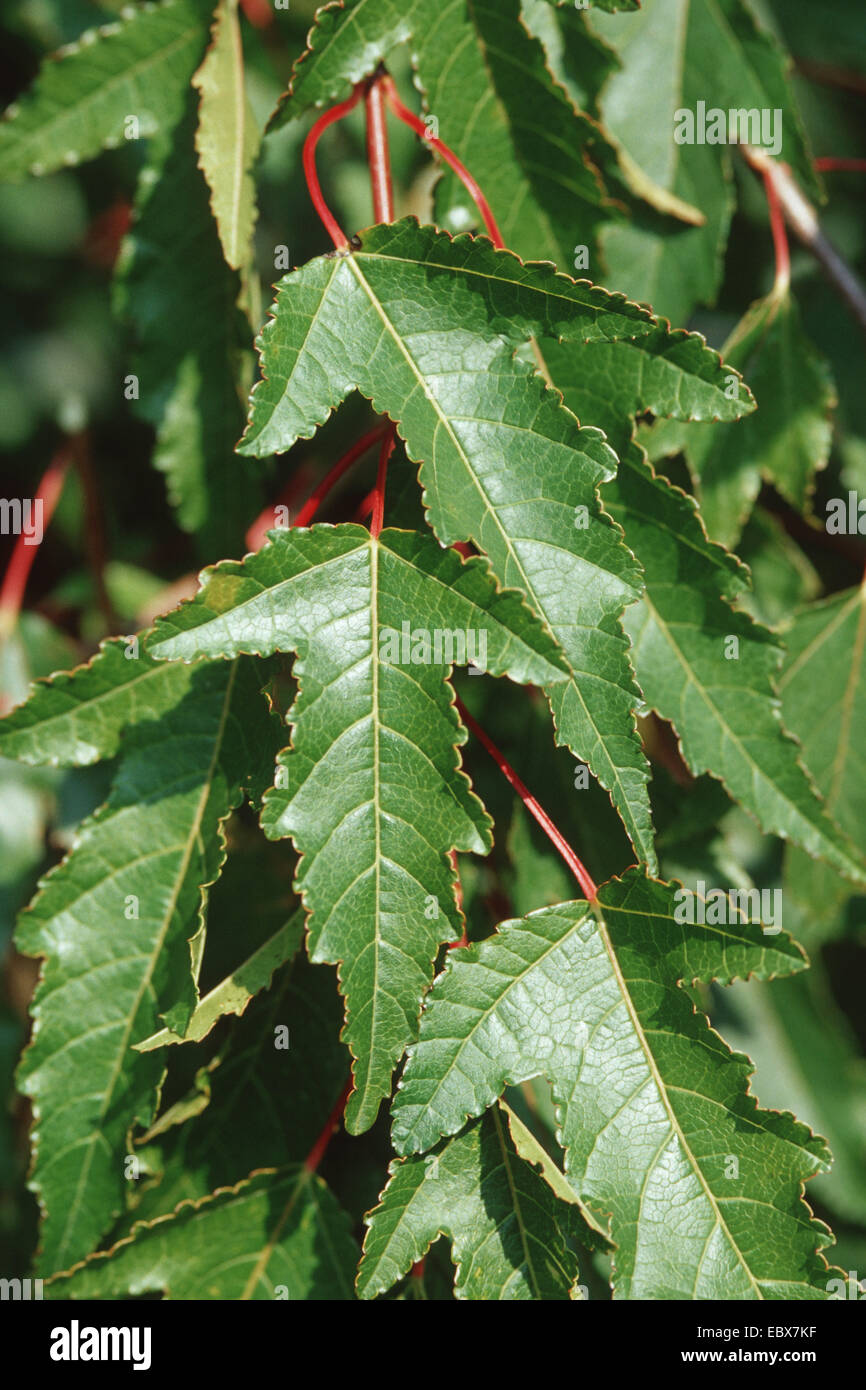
410	119
385	451
314	501
20	564
378	152
780	234
317	1152
336	113
555	836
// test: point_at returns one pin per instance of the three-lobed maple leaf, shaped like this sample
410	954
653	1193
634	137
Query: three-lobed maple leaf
661	1137
427	327
371	789
436	324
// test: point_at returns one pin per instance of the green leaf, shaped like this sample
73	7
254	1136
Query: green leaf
279	1235
786	441
651	1104
675	54
823	704
669	372
500	1215
192	364
578	59
233	994
783	577
228	137
710	669
115	922
485	79
805	1055
346	43
77	717
610	5
83	97
581	62
271	1087
414	321
823	689
586	1229
375	872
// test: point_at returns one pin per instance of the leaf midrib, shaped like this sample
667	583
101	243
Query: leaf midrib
526	287
123	1045
529	587
661	1088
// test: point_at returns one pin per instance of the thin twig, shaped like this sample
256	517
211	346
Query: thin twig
803	221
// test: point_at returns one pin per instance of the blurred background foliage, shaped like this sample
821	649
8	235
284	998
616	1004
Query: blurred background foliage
114	555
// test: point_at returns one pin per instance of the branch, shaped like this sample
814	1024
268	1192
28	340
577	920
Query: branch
803	221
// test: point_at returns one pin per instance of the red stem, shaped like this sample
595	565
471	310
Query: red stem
336	113
297	484
317	1152
314	501
366	506
829	164
385	452
23	555
410	119
780	234
378	152
532	806
264	522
